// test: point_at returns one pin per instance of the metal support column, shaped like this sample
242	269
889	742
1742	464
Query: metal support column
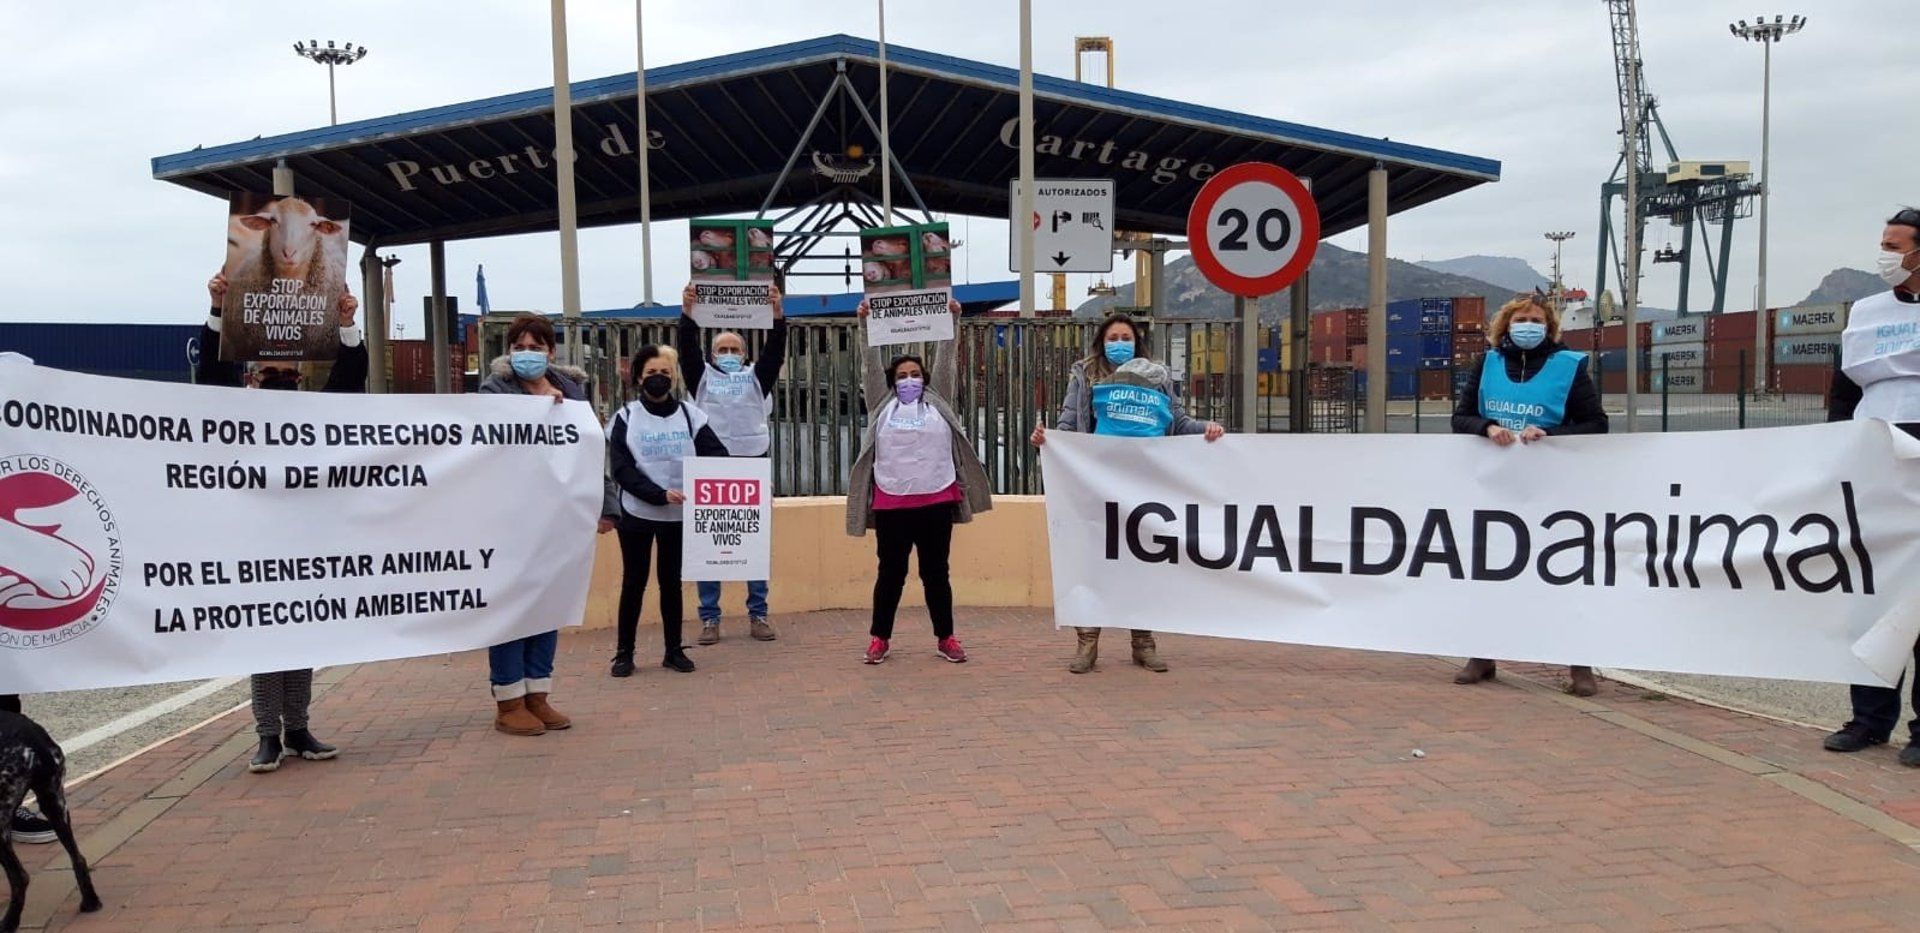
1377	299
1247	312
437	336
1025	229
373	306
1299	326
1157	284
563	156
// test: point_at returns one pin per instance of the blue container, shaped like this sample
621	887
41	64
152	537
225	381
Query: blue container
1402	385
1360	385
1403	317
1436	322
1436	362
1443	305
1269	360
1460	377
1436	345
131	351
1405	350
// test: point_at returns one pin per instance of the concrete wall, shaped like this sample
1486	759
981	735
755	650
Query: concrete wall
999	559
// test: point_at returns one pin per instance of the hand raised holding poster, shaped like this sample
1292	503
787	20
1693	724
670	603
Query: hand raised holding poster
285	275
733	273
909	283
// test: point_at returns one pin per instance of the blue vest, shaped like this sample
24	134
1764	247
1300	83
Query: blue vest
1121	410
1540	402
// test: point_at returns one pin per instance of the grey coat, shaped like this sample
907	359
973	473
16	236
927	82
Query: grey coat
1076	411
572	383
976	489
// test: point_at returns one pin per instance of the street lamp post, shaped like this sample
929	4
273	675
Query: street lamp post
330	56
1766	34
1559	237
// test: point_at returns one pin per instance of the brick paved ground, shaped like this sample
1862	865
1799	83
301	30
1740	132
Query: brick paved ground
787	785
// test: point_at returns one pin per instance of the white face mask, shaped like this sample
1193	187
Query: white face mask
1893	267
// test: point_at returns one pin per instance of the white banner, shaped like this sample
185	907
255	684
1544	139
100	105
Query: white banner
154	532
1788	553
729	515
909	317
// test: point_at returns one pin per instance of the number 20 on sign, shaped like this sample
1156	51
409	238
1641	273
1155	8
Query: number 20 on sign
1253	229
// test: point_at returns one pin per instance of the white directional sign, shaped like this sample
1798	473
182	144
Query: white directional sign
1072	225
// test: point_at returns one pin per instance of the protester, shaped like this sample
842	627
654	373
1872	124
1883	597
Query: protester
281	699
1116	390
738	399
648	439
916	477
1879	378
1527	388
520	672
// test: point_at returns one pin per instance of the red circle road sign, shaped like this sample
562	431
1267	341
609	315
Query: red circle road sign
1253	229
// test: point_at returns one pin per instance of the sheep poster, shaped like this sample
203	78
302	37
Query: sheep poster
286	272
909	282
732	273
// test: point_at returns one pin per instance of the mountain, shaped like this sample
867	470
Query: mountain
1509	273
1844	285
1339	280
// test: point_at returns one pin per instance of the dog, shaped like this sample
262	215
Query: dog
31	761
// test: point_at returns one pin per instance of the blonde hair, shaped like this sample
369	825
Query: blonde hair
648	354
1503	318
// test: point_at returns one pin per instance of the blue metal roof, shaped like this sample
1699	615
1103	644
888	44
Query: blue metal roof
727	125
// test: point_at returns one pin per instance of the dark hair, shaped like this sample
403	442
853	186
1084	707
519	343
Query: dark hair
531	325
1120	317
1906	217
647	354
894	367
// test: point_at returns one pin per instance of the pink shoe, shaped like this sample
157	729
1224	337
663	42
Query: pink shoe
876	651
951	650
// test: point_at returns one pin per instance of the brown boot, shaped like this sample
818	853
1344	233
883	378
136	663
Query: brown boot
1583	684
1476	670
513	718
1145	654
1088	653
548	716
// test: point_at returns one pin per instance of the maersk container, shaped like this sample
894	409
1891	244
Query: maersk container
158	352
1809	349
1684	330
1811	319
1689	381
1678	356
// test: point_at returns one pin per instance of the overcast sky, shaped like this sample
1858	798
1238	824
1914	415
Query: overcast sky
92	94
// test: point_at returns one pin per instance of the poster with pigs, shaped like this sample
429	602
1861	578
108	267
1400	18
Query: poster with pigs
909	280
732	273
286	272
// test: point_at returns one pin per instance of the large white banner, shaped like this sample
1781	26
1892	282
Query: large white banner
1788	553
729	516
155	532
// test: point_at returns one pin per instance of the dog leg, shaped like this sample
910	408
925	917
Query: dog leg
53	805
16	878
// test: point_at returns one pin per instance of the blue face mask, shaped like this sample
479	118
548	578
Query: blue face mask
1527	334
529	364
729	363
1119	351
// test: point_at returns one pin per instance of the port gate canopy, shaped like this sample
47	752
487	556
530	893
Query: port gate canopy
777	129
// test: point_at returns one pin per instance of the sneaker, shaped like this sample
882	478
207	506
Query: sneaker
1909	756
1852	738
29	826
710	633
876	651
951	650
678	660
761	630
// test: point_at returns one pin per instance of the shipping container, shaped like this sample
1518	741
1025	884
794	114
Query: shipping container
1469	310
1810	319
1469	343
1802	379
1615	382
410	366
1678	356
1436	384
1440	305
1404	350
1730	328
1689	381
156	352
1433	322
1614	336
1685	330
1612	361
1436	362
1808	349
1403	317
1581	339
1357	357
1402	385
1438	345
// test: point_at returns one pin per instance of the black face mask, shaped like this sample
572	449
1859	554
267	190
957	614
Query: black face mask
656	385
283	382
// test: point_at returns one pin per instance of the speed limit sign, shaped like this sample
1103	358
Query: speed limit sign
1253	229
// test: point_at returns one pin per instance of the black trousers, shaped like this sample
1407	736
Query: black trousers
1877	709
899	533
639	539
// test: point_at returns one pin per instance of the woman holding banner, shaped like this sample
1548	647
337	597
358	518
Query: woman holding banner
916	477
1527	388
648	439
1117	391
281	699
520	672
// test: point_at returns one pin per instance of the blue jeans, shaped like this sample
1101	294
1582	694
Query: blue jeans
522	666
710	600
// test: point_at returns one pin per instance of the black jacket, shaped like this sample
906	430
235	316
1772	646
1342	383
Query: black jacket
1584	414
349	368
627	472
693	358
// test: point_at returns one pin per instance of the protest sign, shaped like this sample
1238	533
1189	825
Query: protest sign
154	532
908	273
729	515
732	273
286	271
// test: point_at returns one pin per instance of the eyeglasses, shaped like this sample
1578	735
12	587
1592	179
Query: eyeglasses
1534	298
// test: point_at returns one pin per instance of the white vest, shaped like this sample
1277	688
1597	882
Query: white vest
658	446
1880	351
737	409
913	450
